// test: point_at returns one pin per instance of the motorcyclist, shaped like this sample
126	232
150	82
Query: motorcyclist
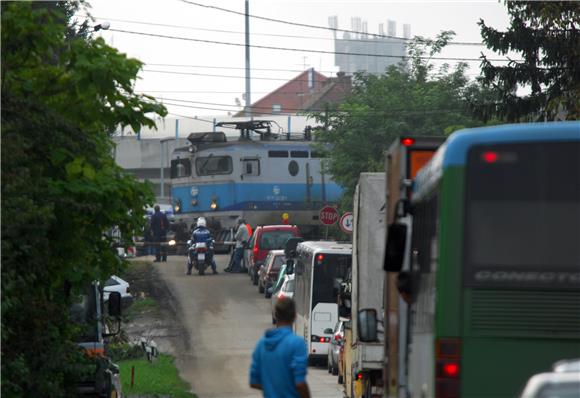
202	235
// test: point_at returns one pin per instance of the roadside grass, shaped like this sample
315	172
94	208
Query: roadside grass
157	378
141	305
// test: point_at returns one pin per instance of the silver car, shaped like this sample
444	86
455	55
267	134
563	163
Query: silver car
336	342
286	290
562	382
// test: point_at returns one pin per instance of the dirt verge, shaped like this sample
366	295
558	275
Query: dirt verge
155	314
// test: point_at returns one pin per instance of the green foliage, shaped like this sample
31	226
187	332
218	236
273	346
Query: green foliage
125	351
157	378
62	93
407	100
546	37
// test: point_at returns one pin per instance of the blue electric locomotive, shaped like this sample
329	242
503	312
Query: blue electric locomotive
261	176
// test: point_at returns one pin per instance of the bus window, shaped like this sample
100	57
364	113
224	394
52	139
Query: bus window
523	213
327	276
425	235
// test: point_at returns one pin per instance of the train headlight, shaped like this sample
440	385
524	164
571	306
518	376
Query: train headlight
177	206
214	204
193	202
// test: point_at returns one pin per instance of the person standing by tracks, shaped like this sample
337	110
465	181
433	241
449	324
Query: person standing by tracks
241	237
159	227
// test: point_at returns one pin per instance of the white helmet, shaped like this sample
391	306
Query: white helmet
201	222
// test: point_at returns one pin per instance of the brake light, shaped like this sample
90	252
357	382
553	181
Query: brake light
451	369
318	339
489	157
337	337
407	141
448	367
359	376
320	257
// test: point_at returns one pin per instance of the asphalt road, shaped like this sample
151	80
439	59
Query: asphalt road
223	316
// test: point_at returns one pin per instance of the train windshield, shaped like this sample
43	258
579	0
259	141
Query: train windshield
180	168
211	165
523	211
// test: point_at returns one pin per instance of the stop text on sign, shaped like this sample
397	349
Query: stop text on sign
328	215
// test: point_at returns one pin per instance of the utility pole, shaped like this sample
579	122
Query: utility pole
248	110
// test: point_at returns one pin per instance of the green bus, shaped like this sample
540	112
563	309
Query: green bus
491	261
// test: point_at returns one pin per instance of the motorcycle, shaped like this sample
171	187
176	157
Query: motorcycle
200	256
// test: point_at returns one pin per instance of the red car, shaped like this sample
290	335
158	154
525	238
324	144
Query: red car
264	239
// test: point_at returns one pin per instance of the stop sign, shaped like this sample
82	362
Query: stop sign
328	215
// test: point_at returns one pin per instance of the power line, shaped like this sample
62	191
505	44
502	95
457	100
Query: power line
398	111
200	119
236	67
220	76
268	34
236	77
303	50
210	92
311	26
257	69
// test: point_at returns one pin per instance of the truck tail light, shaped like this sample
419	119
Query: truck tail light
407	141
447	367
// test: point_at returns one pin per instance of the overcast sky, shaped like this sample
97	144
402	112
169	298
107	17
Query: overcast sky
226	62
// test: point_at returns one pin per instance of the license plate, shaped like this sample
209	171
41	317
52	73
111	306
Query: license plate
201	256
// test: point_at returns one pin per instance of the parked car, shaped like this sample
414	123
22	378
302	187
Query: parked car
116	284
336	343
264	239
286	289
269	271
562	382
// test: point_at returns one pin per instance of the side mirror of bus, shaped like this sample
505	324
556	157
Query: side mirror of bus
114	304
405	286
395	252
367	325
290	246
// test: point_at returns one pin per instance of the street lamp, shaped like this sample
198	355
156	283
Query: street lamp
102	26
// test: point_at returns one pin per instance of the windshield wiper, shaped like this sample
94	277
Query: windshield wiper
202	168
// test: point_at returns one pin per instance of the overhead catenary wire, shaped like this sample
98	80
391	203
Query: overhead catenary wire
257	69
402	57
259	112
220	76
358	40
293	23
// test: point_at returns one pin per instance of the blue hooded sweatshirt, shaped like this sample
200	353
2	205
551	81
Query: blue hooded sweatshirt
279	362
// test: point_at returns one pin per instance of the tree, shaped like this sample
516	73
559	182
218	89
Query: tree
63	94
545	36
410	98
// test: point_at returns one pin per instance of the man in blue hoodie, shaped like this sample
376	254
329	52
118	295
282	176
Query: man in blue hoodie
280	359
